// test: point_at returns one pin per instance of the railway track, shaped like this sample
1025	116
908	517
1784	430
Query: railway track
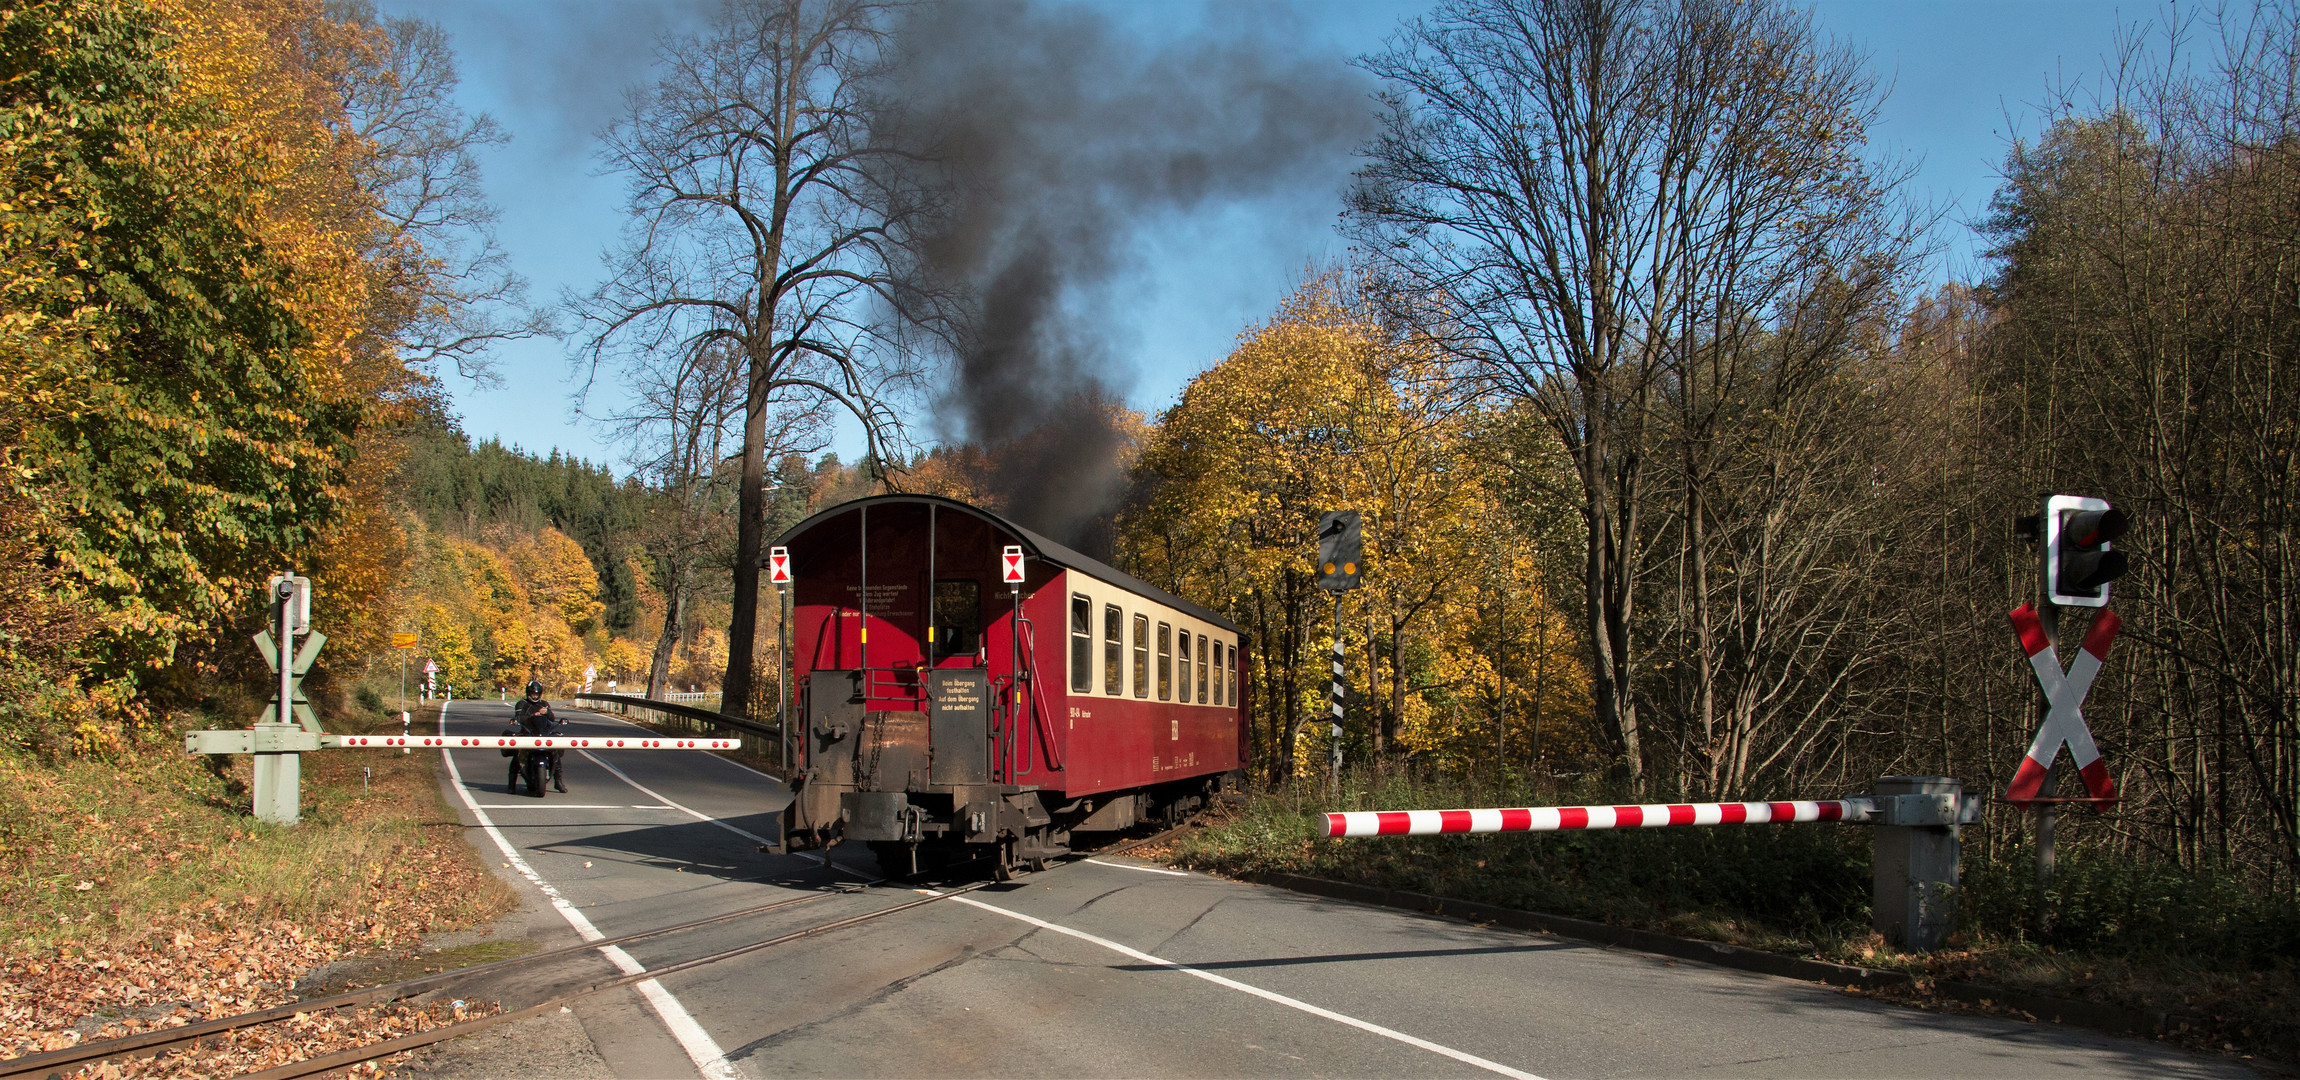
59	1063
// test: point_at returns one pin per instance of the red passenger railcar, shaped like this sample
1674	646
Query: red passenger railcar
941	710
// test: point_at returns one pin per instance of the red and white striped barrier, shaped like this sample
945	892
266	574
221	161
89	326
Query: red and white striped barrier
532	742
1556	818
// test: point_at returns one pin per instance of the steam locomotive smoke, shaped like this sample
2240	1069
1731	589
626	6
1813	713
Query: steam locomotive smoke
1059	144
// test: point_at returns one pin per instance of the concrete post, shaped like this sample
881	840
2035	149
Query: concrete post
279	782
1916	859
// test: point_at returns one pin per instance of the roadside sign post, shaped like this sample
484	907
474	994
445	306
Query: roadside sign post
404	642
779	573
1011	572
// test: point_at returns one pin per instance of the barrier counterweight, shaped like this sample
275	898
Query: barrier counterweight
1558	818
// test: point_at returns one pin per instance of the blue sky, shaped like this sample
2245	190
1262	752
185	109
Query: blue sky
1964	78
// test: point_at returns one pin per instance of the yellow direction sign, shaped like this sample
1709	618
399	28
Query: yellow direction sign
402	639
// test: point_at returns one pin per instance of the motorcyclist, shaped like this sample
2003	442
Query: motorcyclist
533	716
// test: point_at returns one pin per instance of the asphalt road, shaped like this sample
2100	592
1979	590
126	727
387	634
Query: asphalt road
1121	968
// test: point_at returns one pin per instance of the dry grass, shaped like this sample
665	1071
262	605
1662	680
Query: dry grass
138	893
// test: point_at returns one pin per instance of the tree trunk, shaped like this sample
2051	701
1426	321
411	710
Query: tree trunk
750	538
674	623
1605	583
1705	672
1397	668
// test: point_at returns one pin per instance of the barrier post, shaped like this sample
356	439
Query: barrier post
1916	859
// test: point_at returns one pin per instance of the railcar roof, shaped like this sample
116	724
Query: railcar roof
1038	546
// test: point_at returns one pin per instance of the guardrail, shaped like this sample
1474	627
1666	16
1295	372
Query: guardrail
683	716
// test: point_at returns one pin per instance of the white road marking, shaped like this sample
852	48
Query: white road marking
1144	869
823	859
1266	995
703	1050
627	723
666	800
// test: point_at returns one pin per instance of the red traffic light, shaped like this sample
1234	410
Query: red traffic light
2079	562
2089	528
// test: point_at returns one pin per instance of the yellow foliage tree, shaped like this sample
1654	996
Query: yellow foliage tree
1329	407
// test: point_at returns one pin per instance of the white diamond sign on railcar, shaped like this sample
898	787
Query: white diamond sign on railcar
1010	562
779	565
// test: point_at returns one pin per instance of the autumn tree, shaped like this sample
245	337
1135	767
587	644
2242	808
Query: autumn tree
756	231
204	434
1324	407
1595	190
449	293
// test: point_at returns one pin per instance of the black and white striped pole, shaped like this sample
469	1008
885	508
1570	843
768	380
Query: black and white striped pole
1339	693
1340	551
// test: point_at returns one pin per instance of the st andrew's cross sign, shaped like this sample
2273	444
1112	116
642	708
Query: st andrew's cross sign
2064	717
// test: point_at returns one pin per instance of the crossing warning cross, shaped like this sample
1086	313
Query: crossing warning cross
779	565
1011	562
298	666
2064	719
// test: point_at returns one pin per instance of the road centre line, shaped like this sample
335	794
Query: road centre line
1266	995
1144	869
703	1050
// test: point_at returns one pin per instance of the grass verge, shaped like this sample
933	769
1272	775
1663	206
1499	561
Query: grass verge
138	892
2130	935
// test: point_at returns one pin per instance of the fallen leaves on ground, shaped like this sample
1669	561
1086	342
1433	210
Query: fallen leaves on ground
220	963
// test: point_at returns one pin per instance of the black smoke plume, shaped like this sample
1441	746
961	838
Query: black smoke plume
1057	142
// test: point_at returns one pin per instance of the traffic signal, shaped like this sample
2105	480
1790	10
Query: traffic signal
1341	552
2079	557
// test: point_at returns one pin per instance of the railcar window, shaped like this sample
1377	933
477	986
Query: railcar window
1232	676
1081	643
1142	656
957	618
1113	672
1201	669
1183	647
1165	661
1217	673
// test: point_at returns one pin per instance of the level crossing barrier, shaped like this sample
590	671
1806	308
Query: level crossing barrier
1917	843
531	742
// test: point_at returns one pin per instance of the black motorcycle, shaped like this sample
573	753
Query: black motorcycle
531	765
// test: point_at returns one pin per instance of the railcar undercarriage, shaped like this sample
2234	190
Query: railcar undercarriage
919	785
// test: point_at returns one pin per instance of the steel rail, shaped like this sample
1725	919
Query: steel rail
161	1038
152	1042
355	1055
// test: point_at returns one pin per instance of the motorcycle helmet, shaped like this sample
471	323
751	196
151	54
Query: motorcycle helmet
534	690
